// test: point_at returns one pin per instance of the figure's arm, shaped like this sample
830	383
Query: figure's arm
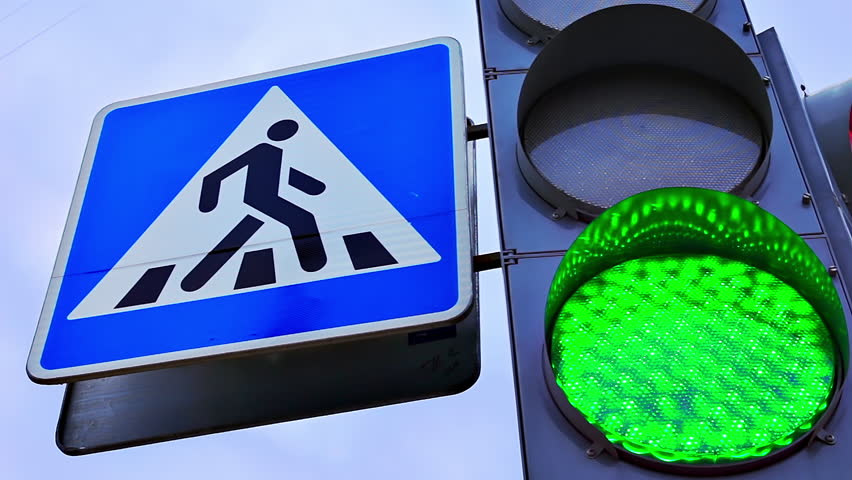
305	182
213	181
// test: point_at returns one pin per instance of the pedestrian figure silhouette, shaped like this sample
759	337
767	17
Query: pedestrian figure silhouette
263	177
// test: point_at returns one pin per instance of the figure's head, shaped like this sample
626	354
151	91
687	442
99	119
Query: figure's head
282	130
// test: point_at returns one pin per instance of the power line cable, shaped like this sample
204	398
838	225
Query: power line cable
47	29
16	10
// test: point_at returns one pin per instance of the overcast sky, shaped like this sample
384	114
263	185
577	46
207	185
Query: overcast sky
63	60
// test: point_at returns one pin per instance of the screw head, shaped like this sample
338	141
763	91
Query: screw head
830	439
591	452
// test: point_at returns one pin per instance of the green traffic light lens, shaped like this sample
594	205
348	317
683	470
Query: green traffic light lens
692	326
693	358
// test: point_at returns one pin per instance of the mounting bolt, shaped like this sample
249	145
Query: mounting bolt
766	80
832	271
591	452
806	199
830	439
533	41
747	27
756	202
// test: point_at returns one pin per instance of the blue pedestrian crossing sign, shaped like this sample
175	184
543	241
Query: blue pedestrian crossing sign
309	204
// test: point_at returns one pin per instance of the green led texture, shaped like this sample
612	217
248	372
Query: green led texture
693	358
679	221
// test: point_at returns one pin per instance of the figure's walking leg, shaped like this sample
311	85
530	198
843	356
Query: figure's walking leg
221	253
303	227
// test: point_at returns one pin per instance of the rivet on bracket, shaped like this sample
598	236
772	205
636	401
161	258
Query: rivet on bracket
826	438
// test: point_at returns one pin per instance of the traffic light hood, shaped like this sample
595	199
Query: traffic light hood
617	72
544	19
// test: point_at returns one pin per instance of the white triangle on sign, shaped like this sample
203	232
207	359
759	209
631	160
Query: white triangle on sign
182	235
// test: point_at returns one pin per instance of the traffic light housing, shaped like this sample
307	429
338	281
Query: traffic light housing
583	121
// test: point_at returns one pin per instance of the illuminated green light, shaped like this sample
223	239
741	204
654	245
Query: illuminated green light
693	326
693	358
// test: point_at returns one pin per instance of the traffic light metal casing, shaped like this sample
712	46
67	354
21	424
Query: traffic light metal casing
534	239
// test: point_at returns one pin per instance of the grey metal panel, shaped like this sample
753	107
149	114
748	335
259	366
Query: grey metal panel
553	449
782	190
221	395
730	16
827	197
526	220
506	47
